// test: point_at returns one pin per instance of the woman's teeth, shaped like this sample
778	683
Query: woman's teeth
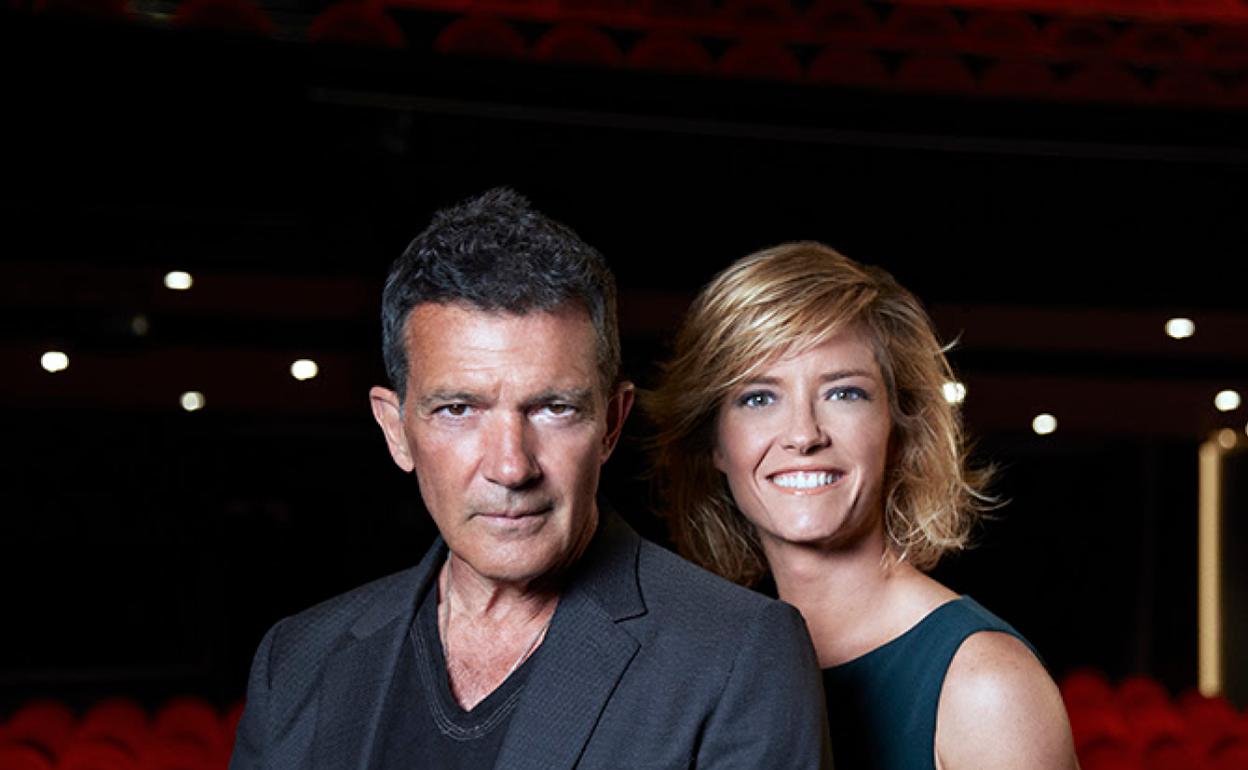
805	479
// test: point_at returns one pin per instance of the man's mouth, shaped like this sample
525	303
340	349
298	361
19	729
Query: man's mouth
521	513
802	481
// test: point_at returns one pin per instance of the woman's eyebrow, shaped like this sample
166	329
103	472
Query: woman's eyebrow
844	374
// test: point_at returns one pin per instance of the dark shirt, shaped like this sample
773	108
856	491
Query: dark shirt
882	705
423	726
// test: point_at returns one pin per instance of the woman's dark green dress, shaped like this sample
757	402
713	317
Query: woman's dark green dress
882	706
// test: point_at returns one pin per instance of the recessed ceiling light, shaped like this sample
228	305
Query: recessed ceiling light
954	392
192	400
304	369
54	361
1227	401
1044	424
178	280
1180	328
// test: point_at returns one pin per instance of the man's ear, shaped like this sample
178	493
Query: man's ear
618	406
388	413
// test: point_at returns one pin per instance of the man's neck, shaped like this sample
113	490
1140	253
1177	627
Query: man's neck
496	602
489	627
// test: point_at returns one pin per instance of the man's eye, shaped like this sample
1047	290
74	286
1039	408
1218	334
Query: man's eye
756	399
453	410
559	410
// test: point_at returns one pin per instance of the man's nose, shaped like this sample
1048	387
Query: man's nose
509	460
803	433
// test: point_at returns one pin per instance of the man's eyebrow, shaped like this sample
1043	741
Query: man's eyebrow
447	396
576	396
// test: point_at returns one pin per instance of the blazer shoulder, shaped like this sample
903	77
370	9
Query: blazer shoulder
315	632
671	584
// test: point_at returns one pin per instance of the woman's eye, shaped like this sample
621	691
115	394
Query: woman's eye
848	394
756	399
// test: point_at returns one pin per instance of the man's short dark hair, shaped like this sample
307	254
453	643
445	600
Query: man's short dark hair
496	252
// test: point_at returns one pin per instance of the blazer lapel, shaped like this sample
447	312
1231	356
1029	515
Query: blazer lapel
582	659
358	675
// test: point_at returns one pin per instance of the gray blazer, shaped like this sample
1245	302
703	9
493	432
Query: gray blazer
649	663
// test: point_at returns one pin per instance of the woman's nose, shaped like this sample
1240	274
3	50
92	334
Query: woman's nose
804	434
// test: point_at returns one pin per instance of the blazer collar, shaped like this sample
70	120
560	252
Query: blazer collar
585	654
358	674
580	662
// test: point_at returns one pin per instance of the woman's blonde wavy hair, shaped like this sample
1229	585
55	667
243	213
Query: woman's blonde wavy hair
788	299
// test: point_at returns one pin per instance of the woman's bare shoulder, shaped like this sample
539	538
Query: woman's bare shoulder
999	708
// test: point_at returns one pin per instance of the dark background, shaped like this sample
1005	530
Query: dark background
144	550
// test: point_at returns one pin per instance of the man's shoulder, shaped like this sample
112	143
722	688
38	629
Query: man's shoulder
671	584
320	628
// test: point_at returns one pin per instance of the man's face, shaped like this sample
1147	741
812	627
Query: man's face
507	425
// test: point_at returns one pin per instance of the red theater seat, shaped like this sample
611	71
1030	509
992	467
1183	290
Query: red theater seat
190	720
691	9
926	27
45	724
1208	720
23	756
166	753
480	36
1224	47
853	67
1079	38
1001	32
1086	687
20	756
576	43
356	22
1139	691
754	12
670	51
1230	754
1154	44
935	72
1170	755
1025	78
762	60
846	19
1096	727
117	721
1185	85
97	754
1108	758
1103	81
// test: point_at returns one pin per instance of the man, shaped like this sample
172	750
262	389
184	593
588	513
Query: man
539	631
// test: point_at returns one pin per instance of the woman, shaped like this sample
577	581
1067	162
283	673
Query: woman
803	432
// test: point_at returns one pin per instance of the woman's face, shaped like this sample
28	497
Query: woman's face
803	444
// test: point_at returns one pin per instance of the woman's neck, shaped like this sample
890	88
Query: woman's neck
853	599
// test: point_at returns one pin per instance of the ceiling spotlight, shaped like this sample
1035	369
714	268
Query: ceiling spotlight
54	361
1226	401
1044	424
178	280
1180	328
1227	438
192	400
955	392
304	369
